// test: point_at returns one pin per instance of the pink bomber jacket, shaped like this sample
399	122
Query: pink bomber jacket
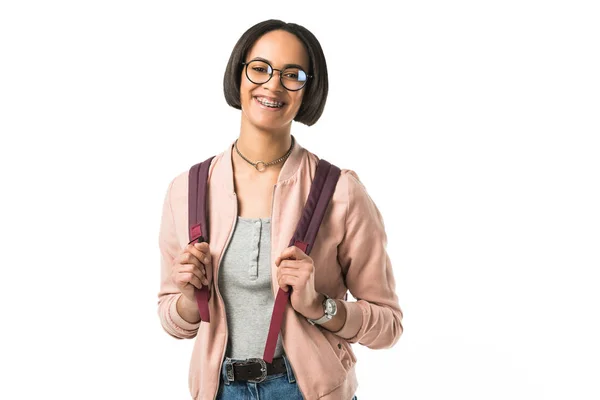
349	254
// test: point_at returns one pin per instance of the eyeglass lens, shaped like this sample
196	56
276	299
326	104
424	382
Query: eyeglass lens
260	72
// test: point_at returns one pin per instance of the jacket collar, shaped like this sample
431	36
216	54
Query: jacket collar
289	169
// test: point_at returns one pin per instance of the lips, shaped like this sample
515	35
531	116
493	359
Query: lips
269	102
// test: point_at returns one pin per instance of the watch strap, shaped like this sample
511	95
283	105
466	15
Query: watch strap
321	320
326	317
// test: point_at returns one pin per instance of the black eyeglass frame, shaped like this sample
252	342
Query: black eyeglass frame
271	75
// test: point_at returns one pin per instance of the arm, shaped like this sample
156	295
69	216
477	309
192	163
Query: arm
174	310
375	319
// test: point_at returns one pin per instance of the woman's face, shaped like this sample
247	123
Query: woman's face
279	48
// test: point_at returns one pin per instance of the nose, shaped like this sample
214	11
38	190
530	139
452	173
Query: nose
274	84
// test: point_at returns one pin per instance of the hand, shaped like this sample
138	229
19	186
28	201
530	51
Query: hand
189	269
296	269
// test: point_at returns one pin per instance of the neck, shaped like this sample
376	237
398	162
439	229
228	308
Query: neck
260	145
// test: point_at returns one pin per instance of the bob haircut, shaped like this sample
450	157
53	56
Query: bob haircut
316	88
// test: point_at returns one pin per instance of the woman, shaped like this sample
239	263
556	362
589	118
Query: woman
257	188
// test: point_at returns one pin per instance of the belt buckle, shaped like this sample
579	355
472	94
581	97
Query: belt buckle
263	369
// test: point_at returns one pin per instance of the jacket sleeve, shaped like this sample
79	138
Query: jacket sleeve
375	319
170	248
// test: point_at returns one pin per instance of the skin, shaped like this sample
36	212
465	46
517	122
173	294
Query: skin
264	135
279	48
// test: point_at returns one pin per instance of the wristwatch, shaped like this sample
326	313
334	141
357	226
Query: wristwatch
330	309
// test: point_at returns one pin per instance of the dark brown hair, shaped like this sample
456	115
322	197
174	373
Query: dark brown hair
316	88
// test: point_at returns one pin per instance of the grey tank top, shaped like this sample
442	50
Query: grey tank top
245	285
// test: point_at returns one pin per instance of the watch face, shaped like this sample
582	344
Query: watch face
330	307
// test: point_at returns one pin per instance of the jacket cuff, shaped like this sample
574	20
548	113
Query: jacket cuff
176	318
354	320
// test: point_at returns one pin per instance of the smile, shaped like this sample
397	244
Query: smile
268	103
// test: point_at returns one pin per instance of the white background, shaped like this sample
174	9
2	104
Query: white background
473	125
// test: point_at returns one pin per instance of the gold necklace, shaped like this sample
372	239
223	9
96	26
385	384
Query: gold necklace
262	164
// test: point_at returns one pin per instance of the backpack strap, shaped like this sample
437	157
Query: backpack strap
198	222
321	192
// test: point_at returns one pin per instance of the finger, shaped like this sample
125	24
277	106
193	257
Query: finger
279	260
204	261
290	252
202	246
282	284
292	264
196	257
196	271
287	281
188	277
189	258
299	277
283	270
201	251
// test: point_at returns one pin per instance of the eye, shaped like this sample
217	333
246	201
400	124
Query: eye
259	67
294	74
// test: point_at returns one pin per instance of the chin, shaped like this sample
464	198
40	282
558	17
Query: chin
269	124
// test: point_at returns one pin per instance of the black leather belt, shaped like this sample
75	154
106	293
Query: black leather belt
253	369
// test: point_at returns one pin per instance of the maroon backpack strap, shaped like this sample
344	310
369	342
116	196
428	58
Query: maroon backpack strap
321	191
198	222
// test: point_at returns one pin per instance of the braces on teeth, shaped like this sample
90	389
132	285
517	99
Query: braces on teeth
268	103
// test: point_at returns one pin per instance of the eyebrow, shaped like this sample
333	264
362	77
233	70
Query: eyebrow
285	66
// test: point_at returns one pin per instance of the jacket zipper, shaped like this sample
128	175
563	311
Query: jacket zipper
271	238
275	293
219	293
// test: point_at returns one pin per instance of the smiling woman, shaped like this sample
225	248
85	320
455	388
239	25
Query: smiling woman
276	74
276	46
269	103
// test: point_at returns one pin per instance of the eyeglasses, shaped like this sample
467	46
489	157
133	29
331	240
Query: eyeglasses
292	78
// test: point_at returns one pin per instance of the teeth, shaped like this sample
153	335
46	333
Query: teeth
268	103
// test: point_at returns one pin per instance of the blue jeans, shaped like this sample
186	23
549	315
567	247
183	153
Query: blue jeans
274	387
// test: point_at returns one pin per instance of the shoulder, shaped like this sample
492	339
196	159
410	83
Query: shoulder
356	191
349	187
178	186
351	177
359	202
348	177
